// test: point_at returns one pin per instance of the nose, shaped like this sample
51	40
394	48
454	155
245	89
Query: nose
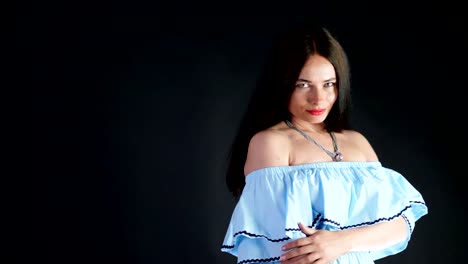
315	95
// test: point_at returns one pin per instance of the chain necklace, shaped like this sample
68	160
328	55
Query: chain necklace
336	155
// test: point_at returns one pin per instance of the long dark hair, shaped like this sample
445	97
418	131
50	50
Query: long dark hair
269	102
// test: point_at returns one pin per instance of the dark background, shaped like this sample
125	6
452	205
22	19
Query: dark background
125	112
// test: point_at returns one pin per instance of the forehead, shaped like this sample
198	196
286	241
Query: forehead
317	68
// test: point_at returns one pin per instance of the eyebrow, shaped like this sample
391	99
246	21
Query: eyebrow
307	81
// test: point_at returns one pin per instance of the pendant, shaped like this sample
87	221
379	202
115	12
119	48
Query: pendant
338	156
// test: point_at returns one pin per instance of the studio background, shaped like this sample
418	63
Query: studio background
128	109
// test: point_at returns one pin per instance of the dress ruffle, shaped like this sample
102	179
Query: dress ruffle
326	195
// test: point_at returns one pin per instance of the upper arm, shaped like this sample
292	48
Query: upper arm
267	149
364	146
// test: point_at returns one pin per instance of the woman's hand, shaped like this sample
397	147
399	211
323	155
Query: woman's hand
319	247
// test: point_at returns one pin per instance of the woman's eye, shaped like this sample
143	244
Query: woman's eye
302	85
330	84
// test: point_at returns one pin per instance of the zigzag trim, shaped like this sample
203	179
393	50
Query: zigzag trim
408	223
314	223
258	260
255	235
365	223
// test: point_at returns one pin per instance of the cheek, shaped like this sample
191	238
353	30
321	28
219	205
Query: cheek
332	96
295	101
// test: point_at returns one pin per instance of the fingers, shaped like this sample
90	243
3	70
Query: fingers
293	260
296	243
304	259
306	230
301	241
300	251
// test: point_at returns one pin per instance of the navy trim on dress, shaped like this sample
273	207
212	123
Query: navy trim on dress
314	223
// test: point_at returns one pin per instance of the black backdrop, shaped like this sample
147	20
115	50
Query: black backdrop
126	111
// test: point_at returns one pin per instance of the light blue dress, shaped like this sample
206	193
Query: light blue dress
325	195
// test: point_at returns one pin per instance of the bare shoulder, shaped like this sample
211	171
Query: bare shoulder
362	143
267	148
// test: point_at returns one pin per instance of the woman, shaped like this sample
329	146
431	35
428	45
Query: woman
310	189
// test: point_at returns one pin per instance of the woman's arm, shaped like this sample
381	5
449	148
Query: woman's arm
323	246
378	236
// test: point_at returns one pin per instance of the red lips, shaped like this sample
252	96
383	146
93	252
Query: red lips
316	111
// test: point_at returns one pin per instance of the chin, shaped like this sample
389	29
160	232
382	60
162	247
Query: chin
316	120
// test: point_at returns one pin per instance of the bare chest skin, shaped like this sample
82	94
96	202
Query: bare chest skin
303	151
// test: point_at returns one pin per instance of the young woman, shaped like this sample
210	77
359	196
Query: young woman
310	189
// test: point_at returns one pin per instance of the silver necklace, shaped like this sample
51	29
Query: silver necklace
335	155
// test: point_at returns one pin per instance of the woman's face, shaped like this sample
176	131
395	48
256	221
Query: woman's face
315	91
